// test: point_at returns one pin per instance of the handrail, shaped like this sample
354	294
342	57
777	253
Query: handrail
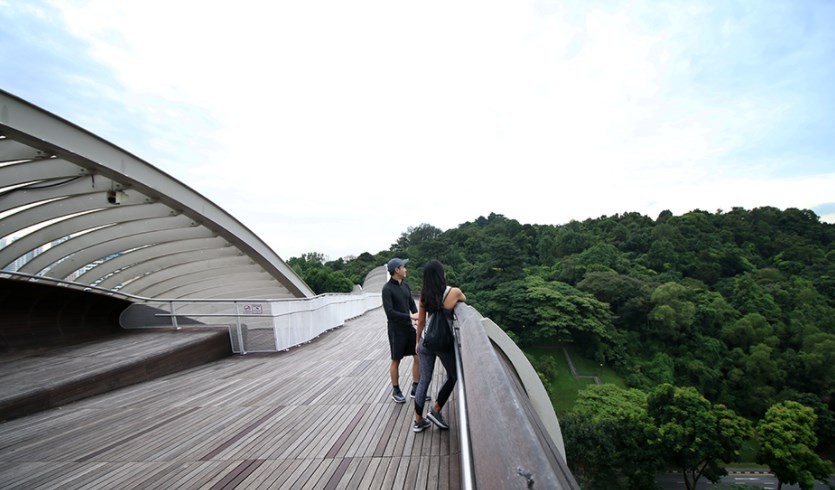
463	421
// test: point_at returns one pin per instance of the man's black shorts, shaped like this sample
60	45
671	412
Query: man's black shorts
402	342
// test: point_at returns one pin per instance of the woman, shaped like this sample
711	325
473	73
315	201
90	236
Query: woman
435	298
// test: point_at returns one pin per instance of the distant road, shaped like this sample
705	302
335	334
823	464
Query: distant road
754	478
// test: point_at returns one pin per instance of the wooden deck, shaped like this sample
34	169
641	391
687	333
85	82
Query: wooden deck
317	416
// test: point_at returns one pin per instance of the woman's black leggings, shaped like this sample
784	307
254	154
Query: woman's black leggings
427	367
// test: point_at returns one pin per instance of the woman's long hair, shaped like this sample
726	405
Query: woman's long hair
434	285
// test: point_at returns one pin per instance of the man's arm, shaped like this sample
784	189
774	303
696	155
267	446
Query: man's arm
388	305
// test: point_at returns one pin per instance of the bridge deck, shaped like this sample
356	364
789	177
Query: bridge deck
317	416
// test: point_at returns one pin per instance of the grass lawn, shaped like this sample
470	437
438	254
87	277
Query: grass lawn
564	388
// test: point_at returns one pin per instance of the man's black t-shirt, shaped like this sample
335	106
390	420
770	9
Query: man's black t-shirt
398	303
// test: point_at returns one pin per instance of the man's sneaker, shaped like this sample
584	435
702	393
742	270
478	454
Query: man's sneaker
437	419
421	426
412	393
397	396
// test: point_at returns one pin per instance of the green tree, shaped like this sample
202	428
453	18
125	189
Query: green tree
357	268
763	377
695	435
660	369
700	366
818	359
311	268
628	297
787	443
610	438
750	297
661	256
713	312
751	329
561	311
673	316
825	419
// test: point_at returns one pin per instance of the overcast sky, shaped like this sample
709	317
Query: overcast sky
334	126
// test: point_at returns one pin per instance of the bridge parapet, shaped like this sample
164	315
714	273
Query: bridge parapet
514	436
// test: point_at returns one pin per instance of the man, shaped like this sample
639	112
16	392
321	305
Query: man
401	312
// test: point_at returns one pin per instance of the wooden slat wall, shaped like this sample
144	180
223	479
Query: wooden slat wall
317	416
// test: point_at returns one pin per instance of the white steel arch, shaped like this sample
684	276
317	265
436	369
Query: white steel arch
142	255
75	207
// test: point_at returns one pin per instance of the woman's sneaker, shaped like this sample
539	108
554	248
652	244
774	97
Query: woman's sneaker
421	426
437	419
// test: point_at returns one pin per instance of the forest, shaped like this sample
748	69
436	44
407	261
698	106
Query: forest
721	326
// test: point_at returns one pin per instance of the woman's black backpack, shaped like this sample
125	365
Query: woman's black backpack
438	336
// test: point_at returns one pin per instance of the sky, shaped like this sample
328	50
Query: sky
334	127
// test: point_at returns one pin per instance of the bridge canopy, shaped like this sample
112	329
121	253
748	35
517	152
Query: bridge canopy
75	207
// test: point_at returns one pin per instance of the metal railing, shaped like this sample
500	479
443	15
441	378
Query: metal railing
466	460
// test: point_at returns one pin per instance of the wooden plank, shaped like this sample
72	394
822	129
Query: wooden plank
389	478
347	431
241	434
76	472
267	477
130	437
402	472
132	475
351	478
364	438
328	429
324	469
294	473
237	474
93	479
25	475
194	476
371	478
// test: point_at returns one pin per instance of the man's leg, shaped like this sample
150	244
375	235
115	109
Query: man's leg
396	394
394	371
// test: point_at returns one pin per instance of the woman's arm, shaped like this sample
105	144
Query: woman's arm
421	320
454	297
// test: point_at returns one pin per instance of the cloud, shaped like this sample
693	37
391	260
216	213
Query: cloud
320	125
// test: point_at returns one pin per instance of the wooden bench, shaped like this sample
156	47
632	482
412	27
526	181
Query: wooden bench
46	377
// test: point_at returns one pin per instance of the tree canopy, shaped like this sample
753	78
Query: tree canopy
787	445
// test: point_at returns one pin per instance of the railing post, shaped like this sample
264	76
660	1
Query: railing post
238	327
173	316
